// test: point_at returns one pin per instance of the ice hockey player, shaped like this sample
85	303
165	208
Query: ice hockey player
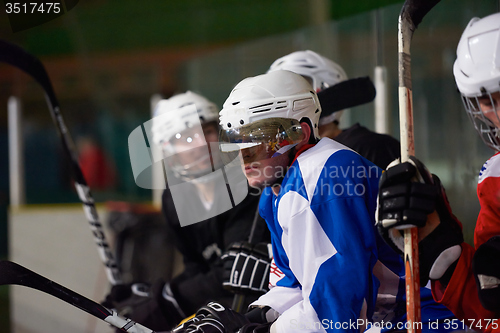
380	149
464	278
319	200
164	305
323	73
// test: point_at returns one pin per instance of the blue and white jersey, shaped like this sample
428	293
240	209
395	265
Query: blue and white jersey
323	239
325	243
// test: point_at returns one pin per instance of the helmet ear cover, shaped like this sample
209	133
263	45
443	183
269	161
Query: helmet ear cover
312	139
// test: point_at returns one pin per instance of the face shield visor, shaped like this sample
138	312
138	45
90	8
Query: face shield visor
259	140
484	112
193	152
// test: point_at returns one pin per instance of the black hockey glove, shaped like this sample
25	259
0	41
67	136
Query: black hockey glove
246	268
213	318
152	306
261	319
487	273
408	193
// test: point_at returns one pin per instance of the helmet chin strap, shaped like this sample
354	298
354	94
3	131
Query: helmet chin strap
283	150
276	185
185	173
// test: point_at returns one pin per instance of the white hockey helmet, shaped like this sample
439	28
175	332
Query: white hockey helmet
321	72
180	112
177	127
267	109
477	73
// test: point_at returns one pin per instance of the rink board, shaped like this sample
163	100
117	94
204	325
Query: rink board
56	242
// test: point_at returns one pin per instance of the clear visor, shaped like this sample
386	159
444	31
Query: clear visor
184	141
265	138
193	153
484	112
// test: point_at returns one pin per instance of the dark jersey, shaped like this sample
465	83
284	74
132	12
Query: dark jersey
381	149
201	245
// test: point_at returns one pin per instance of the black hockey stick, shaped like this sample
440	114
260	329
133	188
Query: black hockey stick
346	94
12	273
238	298
411	15
17	57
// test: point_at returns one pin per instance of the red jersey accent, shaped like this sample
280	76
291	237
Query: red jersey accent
460	296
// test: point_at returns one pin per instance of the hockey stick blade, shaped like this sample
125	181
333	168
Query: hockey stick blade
415	10
17	57
346	94
15	274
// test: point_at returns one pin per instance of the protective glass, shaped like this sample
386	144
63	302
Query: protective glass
484	112
265	138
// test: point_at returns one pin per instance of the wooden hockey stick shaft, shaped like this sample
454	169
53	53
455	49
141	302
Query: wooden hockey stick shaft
411	15
407	149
